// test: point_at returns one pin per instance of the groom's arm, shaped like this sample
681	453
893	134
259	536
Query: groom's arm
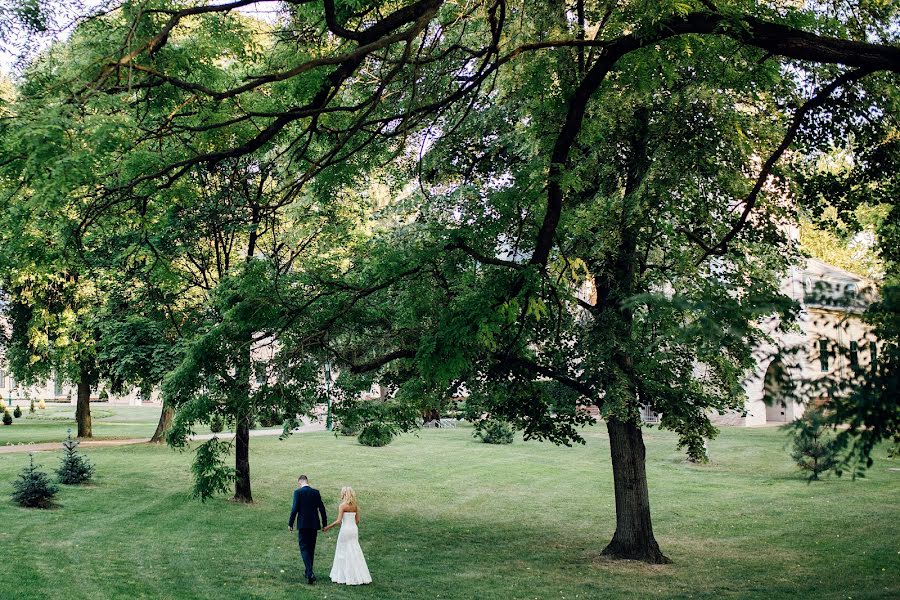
295	508
321	508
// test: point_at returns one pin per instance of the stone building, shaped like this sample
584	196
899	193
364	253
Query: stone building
829	339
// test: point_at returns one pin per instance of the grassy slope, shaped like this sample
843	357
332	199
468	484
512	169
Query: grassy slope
446	517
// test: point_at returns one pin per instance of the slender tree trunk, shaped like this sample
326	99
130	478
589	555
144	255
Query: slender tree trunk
634	533
83	406
242	460
165	421
243	417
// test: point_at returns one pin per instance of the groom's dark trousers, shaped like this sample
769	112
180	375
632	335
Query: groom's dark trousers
306	508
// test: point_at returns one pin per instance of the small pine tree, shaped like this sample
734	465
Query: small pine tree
73	468
17	412
494	431
31	406
814	448
216	424
7	418
33	489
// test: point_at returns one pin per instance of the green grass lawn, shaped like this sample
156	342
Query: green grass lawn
109	422
446	517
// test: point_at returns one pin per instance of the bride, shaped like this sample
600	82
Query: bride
349	563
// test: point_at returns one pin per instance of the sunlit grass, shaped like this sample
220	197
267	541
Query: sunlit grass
444	516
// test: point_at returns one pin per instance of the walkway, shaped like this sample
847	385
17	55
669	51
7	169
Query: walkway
53	446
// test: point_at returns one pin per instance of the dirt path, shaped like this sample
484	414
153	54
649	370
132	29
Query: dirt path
53	446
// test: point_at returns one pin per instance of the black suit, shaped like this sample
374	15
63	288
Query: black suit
306	509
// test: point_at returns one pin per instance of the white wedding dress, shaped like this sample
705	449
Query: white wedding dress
349	563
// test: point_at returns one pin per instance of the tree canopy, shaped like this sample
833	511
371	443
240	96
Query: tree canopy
462	197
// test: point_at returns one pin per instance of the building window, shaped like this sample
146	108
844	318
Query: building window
854	355
823	355
57	385
2	378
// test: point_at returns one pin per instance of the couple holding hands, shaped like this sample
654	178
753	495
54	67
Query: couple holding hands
349	563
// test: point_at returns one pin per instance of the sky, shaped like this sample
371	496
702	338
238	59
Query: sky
9	52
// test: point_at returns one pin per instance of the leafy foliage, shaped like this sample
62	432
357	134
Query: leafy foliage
211	474
7	418
530	205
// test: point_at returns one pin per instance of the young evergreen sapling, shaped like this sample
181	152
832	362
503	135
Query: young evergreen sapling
33	489
74	468
814	449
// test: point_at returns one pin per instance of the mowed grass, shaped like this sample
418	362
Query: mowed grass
109	421
444	516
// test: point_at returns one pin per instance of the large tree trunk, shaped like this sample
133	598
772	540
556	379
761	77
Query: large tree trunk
634	534
242	461
165	421
83	406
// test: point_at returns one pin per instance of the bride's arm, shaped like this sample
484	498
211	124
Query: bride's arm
338	520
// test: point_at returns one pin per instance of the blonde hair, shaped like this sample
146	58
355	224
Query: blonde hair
348	495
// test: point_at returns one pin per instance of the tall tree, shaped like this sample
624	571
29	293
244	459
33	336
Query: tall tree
614	157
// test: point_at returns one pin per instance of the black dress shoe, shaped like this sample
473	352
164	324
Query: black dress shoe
311	580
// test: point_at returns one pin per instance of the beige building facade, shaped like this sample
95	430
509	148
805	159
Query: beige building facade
828	342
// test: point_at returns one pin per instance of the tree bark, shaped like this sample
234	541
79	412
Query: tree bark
83	406
432	414
634	533
165	421
242	460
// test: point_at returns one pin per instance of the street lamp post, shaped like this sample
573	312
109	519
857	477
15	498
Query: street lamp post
328	395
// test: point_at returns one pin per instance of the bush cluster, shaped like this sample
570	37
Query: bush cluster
7	418
495	431
376	434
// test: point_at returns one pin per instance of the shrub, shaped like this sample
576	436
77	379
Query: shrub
33	489
31	406
348	424
375	434
271	419
17	412
42	405
494	431
73	468
814	448
347	429
7	418
216	424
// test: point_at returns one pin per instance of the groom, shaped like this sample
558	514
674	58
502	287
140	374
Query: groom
306	508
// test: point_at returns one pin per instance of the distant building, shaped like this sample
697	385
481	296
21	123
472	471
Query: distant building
830	339
55	390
